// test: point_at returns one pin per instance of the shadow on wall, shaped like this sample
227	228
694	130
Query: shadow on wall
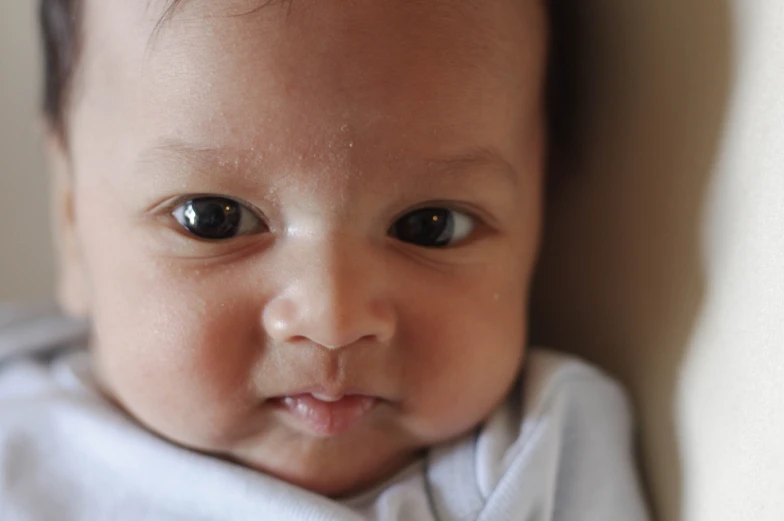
638	105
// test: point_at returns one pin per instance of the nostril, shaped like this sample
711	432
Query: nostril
299	339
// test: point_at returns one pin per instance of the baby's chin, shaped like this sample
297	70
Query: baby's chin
343	477
334	467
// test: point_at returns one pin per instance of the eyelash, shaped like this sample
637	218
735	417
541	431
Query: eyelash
168	208
173	205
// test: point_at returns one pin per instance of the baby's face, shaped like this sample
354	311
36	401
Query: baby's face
308	230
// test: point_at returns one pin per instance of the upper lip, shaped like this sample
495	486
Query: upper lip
323	393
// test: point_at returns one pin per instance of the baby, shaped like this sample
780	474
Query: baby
303	233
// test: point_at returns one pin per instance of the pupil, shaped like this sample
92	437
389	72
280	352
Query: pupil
431	227
213	218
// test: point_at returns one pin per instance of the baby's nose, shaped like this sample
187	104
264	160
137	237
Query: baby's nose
336	298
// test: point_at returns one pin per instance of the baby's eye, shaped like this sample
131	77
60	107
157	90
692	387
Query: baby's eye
217	218
433	227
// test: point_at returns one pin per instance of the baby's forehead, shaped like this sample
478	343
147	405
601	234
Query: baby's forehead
478	32
327	79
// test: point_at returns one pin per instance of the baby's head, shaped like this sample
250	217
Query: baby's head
304	230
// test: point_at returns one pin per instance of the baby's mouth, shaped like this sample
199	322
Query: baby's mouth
323	415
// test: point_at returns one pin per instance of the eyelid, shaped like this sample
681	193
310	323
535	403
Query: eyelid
171	204
481	217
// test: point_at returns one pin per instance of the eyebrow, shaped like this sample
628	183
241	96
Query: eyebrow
172	6
479	157
472	160
166	148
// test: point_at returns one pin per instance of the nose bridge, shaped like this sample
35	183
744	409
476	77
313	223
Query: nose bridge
337	295
340	274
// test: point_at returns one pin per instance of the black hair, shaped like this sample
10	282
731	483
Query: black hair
60	21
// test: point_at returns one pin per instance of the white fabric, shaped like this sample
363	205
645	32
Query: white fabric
558	450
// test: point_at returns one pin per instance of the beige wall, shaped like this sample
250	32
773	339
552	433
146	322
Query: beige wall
25	254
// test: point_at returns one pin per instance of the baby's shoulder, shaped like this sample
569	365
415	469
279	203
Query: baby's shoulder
31	338
562	445
567	407
557	382
28	332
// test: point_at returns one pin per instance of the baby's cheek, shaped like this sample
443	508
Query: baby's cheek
180	362
463	369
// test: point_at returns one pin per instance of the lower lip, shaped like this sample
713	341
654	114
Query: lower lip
327	419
